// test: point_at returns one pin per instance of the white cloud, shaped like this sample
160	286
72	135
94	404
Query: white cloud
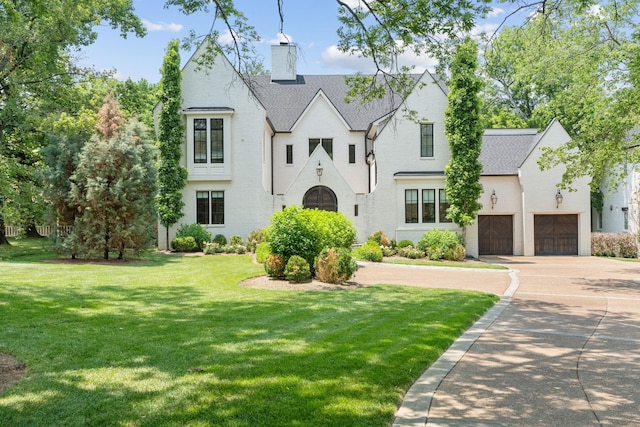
162	26
484	29
280	38
495	12
334	58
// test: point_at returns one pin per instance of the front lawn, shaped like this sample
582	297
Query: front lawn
173	341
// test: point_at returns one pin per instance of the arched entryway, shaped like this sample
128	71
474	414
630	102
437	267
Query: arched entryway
320	197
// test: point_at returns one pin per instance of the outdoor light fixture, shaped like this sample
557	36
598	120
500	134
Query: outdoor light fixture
319	170
494	199
558	198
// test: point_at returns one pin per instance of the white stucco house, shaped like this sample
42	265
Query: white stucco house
287	139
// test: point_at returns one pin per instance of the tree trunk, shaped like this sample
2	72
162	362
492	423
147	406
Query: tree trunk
3	229
32	231
106	246
166	242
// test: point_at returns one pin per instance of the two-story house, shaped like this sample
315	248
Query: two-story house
252	149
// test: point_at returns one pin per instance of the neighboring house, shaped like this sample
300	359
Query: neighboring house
620	207
286	139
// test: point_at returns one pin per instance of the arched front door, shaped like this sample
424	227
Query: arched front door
320	197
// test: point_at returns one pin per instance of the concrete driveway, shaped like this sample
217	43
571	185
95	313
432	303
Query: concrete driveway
561	349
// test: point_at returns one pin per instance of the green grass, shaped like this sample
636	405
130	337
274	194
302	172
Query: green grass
173	341
429	263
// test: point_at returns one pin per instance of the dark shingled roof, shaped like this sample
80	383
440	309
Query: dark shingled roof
285	101
504	150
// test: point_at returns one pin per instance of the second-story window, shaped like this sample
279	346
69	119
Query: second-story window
289	154
217	141
200	140
426	140
327	144
208	136
352	153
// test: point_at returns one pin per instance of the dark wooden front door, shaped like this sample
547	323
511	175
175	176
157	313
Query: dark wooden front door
320	197
555	234
495	234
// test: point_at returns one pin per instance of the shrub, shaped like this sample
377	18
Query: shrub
410	252
404	243
305	232
236	240
441	243
211	248
297	269
455	253
262	250
254	239
380	238
388	251
274	265
197	231
393	244
335	265
370	251
220	239
184	244
235	249
621	245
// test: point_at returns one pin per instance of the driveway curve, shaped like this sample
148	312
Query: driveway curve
562	347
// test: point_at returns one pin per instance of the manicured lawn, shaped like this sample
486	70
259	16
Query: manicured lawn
174	341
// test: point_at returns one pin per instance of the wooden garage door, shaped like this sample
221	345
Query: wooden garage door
555	234
495	234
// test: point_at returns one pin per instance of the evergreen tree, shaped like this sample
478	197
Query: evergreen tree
463	129
114	187
171	176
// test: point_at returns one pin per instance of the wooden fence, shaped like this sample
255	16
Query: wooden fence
43	230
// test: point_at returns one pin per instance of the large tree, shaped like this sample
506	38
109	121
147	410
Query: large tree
36	48
113	187
578	68
463	129
171	175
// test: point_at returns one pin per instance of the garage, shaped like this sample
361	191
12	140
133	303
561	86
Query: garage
555	234
495	234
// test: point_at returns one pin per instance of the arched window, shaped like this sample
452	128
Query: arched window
320	197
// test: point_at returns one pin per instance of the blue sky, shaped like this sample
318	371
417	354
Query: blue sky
311	24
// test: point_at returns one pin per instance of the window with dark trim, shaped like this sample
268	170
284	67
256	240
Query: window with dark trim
426	140
208	135
202	207
217	207
217	141
327	144
443	206
411	206
200	140
429	205
352	153
289	154
210	207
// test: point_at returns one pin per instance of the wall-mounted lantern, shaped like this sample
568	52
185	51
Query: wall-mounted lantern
319	170
558	198
494	199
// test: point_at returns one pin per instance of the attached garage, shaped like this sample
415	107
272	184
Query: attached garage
556	234
495	234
